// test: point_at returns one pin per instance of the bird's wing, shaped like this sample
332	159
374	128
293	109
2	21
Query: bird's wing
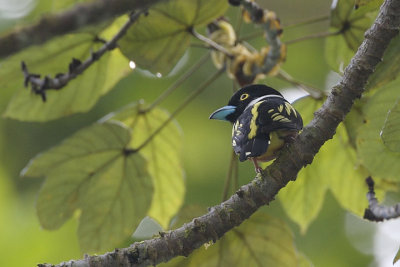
250	133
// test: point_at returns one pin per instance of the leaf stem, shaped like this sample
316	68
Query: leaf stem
307	21
239	24
177	83
211	43
229	175
312	36
189	99
314	92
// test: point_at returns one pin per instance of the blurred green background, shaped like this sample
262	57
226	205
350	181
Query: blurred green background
206	149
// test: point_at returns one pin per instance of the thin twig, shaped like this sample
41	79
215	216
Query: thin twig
376	212
189	99
239	24
39	86
314	92
306	22
312	36
178	82
229	175
211	43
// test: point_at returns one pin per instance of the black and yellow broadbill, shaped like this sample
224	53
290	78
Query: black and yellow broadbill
263	121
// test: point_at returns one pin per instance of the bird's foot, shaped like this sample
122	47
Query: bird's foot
257	168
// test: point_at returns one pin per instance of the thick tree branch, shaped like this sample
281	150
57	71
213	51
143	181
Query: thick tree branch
39	86
68	21
285	168
376	212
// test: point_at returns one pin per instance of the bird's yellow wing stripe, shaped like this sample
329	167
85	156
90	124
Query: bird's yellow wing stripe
253	125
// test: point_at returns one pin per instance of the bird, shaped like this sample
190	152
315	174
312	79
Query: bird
263	122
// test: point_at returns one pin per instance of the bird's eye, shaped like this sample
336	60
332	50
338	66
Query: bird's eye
244	96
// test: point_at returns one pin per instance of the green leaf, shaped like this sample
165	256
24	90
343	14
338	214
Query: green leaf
303	199
51	58
117	199
304	261
353	121
391	129
92	171
156	42
163	154
346	178
389	68
259	241
350	24
377	158
376	3
397	257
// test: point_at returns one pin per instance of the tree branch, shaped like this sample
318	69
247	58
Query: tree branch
68	21
376	212
39	86
262	190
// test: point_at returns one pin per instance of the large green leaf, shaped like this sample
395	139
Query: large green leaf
163	154
156	42
303	199
350	24
51	58
346	178
389	68
259	241
391	129
374	155
92	171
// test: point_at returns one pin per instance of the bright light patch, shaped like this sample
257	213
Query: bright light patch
15	9
132	65
158	75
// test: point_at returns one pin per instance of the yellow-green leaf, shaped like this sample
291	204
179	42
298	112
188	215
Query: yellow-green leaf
259	241
359	3
391	129
303	199
350	25
117	199
397	257
163	154
51	58
157	41
389	68
346	178
94	171
372	152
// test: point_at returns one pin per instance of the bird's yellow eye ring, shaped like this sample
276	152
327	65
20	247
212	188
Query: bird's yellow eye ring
244	96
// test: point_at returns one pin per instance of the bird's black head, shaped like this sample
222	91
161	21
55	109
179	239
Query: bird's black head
240	100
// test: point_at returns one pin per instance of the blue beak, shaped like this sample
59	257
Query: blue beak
222	113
